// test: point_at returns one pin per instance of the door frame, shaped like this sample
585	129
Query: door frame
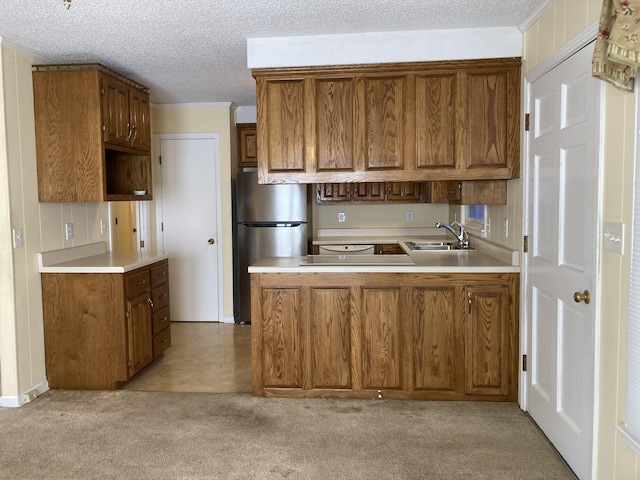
157	186
579	42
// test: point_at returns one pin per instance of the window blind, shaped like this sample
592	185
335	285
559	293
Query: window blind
633	358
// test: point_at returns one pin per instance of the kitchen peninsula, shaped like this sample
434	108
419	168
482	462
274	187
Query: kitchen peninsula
439	325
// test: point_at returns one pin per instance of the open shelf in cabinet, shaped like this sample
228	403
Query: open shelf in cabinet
126	173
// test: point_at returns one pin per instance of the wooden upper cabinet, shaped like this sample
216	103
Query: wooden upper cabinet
281	122
247	145
333	124
382	128
453	120
140	118
126	115
93	134
490	123
435	120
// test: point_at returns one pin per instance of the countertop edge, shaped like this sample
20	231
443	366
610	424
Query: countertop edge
105	263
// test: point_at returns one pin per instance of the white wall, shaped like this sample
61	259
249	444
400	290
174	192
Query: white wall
560	23
21	323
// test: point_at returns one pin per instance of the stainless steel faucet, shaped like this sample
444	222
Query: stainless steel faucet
463	237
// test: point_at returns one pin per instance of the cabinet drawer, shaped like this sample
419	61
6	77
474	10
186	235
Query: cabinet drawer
159	273
160	297
161	320
136	282
161	342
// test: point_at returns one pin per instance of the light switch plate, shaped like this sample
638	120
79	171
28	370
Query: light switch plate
18	241
613	237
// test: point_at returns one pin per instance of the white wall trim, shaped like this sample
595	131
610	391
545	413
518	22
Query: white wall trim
25	397
579	41
384	47
158	189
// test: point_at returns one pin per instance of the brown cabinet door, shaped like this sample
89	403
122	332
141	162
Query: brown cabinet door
436	343
139	113
381	127
333	192
334	115
247	145
281	338
488	353
368	192
490	121
330	337
382	323
400	192
115	112
140	339
281	120
435	125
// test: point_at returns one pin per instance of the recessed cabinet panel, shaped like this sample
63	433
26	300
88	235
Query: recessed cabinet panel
384	128
488	346
281	133
381	338
115	111
281	358
330	338
437	348
335	127
435	120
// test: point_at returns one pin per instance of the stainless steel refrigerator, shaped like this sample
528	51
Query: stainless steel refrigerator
271	222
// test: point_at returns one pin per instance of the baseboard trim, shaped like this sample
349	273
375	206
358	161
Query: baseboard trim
14	401
228	319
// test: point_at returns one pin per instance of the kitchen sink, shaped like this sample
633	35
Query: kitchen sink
430	246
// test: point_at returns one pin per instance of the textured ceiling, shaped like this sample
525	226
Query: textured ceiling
195	50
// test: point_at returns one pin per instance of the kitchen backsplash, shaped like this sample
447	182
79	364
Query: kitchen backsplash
379	216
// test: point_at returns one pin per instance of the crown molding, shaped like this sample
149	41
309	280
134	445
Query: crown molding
535	15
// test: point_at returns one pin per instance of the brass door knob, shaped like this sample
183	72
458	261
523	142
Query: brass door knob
211	241
582	297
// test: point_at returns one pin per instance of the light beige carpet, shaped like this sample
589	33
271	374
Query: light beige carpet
143	435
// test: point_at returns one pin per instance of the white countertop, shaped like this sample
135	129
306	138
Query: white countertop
94	258
486	258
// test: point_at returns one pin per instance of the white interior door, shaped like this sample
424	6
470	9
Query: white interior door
188	222
563	193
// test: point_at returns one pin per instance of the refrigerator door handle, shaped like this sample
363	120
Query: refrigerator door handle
271	224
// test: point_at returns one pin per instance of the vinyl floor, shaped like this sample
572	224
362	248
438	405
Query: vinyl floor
203	357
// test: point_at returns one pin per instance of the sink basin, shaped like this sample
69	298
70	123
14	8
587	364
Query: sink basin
433	246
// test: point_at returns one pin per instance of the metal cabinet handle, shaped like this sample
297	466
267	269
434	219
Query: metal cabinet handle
150	302
469	300
141	282
211	241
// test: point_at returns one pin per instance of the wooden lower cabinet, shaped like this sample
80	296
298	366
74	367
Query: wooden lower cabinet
385	335
101	329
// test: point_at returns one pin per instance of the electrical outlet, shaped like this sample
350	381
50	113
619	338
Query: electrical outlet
342	217
409	216
103	227
68	231
505	228
30	396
